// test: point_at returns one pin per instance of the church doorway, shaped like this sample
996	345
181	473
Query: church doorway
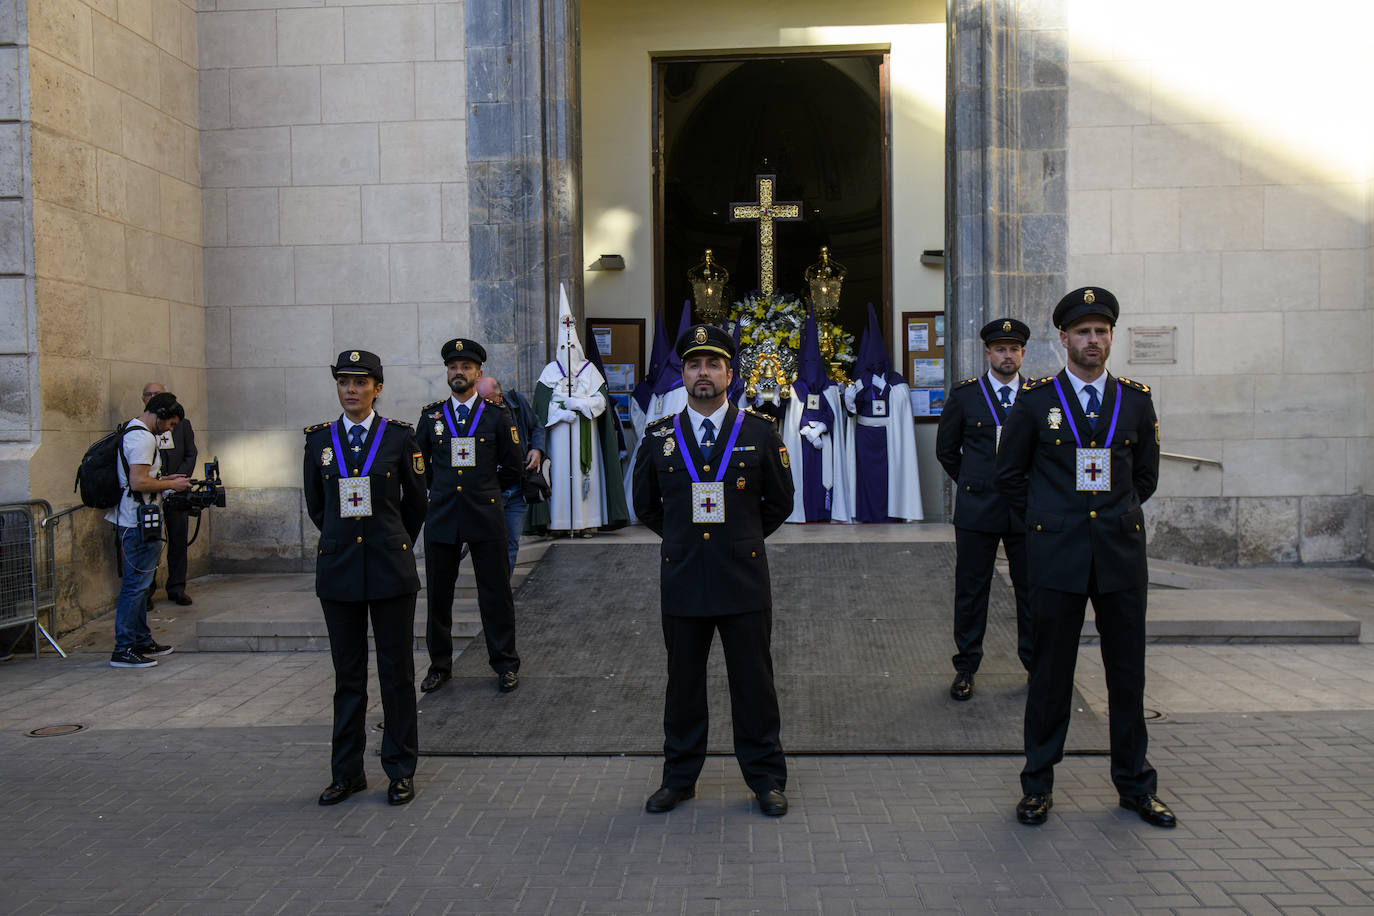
820	122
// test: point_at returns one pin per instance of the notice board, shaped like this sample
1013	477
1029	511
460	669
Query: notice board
620	342
923	362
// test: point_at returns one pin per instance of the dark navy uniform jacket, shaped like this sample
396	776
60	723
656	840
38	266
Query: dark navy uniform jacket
465	503
714	569
966	446
362	559
1071	533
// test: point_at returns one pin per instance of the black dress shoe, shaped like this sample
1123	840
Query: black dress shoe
434	680
1034	808
180	598
401	791
962	688
339	790
667	798
773	803
509	680
1151	810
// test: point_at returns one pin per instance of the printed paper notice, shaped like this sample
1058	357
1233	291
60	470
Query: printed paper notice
927	402
928	373
918	337
603	341
620	376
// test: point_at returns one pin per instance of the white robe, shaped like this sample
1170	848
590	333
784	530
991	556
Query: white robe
576	500
833	474
903	481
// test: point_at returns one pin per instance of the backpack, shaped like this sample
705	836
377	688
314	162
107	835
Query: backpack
97	477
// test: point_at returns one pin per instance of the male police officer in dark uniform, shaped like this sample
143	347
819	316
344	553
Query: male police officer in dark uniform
713	482
966	444
1079	454
365	492
472	452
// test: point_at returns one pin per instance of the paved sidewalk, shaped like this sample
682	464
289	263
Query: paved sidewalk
192	791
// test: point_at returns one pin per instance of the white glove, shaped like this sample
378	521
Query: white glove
849	394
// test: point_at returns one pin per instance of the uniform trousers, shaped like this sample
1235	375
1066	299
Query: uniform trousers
1120	619
175	523
393	632
975	561
494	602
745	640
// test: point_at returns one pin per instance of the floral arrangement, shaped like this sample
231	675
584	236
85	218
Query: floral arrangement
773	323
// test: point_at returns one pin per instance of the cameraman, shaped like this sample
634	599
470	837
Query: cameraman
139	465
177	447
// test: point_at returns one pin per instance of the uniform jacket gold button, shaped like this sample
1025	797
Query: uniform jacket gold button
493	499
1056	441
405	546
968	488
706	535
460	489
1128	441
706	467
1137	527
1093	443
1092	514
460	473
360	540
980	422
753	553
1039	528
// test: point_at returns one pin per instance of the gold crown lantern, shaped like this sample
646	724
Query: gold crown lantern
708	281
826	279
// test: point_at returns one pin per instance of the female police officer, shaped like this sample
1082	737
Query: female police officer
365	491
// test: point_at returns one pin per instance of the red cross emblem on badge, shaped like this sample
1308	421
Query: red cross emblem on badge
567	321
1092	470
355	499
708	505
463	453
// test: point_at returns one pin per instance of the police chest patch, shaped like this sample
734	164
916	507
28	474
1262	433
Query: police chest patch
418	462
782	453
515	435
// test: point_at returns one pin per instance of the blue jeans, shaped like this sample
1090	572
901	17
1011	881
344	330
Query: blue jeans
514	501
136	572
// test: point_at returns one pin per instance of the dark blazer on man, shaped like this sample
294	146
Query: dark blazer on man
181	457
1071	533
465	503
966	446
714	569
532	432
361	559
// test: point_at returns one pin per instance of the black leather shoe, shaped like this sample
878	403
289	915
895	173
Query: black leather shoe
773	803
962	688
667	798
180	598
401	791
1034	809
509	680
339	790
434	680
1151	810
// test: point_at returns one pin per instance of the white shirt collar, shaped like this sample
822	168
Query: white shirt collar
716	419
468	403
997	385
1100	383
366	423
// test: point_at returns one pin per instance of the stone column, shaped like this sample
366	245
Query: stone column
1006	192
19	424
524	175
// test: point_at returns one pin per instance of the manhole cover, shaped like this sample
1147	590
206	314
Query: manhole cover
55	731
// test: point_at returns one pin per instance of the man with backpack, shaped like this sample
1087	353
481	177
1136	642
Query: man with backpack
138	520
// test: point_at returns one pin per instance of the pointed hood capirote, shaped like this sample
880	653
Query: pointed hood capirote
570	373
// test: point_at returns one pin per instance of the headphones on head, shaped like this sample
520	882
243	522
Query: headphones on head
168	410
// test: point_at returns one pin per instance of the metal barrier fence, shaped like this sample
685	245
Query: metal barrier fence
27	572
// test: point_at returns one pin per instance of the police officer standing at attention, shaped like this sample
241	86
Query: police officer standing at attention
713	482
1079	454
472	453
365	492
966	444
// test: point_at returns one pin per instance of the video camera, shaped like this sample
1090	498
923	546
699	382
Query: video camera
202	493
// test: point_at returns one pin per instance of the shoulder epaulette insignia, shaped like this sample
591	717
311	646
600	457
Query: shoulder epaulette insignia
1034	383
311	429
401	423
967	381
435	406
1131	383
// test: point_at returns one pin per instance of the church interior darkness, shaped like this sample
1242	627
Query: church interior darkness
820	125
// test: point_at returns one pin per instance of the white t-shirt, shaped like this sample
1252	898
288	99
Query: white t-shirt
140	447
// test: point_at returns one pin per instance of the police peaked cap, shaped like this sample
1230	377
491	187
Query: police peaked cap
357	362
705	338
1005	329
1083	302
459	348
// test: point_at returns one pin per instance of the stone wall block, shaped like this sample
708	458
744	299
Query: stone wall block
10	101
179	209
61	28
1315	216
1099	157
1343	345
310	36
392	333
1184	155
1344	276
1145	220
1044	243
282	337
430	272
252	157
124	59
424	151
1332	529
448	30
1123	274
401	213
1175	279
274	96
1306	405
334	154
178	92
320	216
1106	94
330	274
488	74
376	34
1267	530
218	349
248	400
63	170
214	217
259	531
251	216
440	90
1221	219
489	130
246	38
160	266
1044	118
1201	407
14	321
1234	343
486	26
1193	530
1281	281
1284	467
249	276
213	96
436	323
454	208
369	92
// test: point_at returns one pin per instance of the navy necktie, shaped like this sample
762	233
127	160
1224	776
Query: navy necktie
1094	405
1005	394
708	435
355	437
462	413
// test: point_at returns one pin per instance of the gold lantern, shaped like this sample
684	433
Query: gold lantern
708	281
826	280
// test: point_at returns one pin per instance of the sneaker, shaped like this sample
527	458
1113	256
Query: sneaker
152	649
129	658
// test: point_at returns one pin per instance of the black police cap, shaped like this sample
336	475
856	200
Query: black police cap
358	362
705	338
461	348
1005	329
1083	302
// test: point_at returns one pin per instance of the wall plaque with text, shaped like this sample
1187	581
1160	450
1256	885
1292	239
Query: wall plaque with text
1153	345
